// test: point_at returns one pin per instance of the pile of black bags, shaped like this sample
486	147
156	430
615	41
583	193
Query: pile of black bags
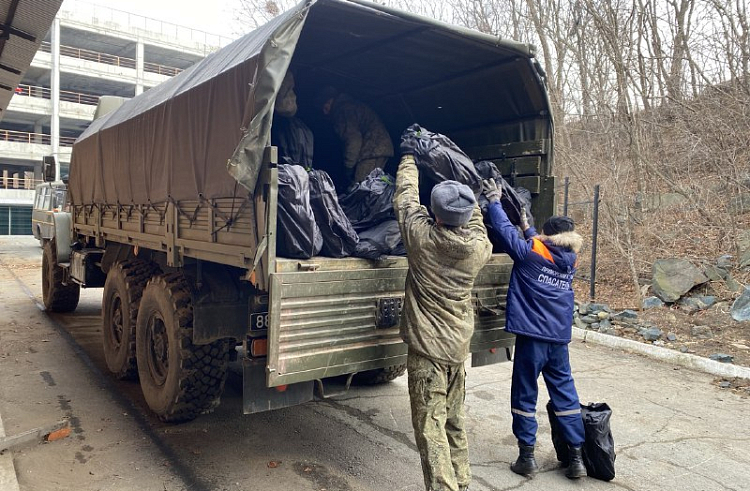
312	220
298	234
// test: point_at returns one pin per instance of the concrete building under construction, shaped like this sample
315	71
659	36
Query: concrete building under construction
90	51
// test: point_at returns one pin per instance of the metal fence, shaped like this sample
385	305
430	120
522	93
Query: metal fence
108	59
35	138
594	204
65	95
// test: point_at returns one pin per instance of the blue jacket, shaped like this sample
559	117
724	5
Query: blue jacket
540	297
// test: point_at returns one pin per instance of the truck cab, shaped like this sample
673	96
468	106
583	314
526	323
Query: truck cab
49	198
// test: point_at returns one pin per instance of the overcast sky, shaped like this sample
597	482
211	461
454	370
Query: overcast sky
216	16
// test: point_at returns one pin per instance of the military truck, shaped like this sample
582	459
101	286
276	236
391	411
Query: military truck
173	208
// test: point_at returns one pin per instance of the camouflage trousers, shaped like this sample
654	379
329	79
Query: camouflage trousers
437	392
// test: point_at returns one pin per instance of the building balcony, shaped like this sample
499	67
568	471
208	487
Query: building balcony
102	65
31	147
31	99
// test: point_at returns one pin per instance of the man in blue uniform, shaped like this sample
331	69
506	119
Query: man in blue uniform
540	314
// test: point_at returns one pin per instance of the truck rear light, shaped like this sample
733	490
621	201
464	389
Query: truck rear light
259	347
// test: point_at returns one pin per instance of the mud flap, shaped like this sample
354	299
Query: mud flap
257	397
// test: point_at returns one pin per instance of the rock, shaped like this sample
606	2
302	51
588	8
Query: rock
583	309
740	310
722	358
608	330
671	337
725	384
725	262
603	315
590	319
732	284
715	273
740	204
579	323
652	334
701	332
626	314
745	259
652	302
653	202
605	324
683	349
599	307
697	303
672	278
594	326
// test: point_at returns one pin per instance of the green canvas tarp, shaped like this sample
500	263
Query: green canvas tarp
202	133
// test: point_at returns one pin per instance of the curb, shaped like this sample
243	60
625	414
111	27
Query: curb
8	479
687	360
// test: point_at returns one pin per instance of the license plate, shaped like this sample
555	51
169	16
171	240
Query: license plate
259	321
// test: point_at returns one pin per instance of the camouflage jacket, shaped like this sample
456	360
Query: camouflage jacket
438	316
361	130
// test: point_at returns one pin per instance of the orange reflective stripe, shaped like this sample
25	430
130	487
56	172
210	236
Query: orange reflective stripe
542	250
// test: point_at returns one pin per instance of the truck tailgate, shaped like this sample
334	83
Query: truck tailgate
331	317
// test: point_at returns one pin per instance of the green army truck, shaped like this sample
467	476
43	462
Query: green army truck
173	207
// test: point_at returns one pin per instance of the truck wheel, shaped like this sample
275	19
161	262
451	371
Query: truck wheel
122	296
379	376
179	380
57	296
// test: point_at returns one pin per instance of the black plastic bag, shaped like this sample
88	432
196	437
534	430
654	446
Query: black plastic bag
298	236
339	237
294	140
599	446
599	449
381	240
370	203
512	199
558	441
441	159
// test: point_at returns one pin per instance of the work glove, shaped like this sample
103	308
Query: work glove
524	220
408	143
491	191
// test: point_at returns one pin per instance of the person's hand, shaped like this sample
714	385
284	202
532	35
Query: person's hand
524	220
408	146
491	191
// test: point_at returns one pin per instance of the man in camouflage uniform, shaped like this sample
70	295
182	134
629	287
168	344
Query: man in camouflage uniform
437	322
367	144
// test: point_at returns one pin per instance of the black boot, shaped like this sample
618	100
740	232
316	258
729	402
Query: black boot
526	463
576	468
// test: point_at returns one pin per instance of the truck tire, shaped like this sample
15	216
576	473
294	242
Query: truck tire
379	376
57	297
122	296
179	380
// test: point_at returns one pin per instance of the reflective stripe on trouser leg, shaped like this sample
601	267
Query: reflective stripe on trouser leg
528	360
436	396
563	394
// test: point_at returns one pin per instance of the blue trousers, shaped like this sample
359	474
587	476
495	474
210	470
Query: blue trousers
532	357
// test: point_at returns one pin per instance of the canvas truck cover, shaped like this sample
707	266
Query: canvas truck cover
174	141
202	134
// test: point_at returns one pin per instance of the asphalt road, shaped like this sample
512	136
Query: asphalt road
673	428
